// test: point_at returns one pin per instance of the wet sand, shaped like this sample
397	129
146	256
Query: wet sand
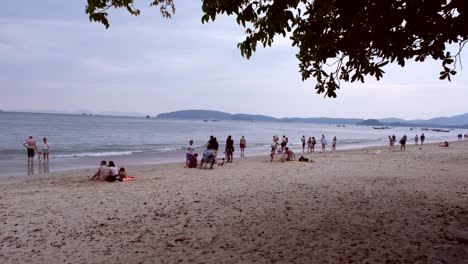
356	206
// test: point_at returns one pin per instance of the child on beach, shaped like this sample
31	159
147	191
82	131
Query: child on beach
124	176
193	162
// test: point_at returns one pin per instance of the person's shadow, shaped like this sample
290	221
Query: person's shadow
30	168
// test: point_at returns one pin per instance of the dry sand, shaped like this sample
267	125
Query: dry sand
359	206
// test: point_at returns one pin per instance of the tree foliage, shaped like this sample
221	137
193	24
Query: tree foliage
338	40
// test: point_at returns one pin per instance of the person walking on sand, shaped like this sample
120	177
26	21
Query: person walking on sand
423	137
242	146
391	143
324	142
416	139
30	145
403	143
333	144
303	141
45	150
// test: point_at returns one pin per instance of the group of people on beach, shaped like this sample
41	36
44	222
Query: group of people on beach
403	140
210	154
31	147
108	172
288	154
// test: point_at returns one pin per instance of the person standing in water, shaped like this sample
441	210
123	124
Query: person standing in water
416	139
30	145
242	146
45	150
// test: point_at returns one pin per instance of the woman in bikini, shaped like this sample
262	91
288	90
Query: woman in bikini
242	145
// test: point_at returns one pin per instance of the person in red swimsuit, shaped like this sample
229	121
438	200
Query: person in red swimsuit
242	145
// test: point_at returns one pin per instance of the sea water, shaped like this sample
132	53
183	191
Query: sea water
81	141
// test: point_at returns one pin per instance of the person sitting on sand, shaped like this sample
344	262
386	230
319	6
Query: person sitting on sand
444	145
124	176
193	162
113	173
288	155
102	173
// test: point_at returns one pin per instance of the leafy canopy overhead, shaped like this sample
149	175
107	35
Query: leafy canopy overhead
338	40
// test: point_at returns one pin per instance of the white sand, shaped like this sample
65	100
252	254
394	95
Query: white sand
358	206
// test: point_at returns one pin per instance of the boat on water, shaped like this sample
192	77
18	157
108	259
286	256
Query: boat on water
440	130
381	127
210	120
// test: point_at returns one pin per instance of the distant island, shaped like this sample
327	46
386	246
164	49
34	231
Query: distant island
459	121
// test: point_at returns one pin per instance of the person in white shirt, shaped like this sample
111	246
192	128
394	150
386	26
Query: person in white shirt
189	153
324	142
45	150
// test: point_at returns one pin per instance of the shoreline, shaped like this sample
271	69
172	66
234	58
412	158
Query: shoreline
145	161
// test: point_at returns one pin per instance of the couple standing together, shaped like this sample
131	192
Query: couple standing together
30	145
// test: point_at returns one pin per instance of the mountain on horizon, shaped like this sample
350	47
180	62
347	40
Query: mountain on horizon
458	120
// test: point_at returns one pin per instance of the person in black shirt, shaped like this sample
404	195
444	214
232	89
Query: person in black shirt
229	149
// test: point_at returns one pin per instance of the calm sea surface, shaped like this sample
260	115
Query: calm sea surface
81	141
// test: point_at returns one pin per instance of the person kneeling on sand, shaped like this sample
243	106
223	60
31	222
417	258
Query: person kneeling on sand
193	161
208	157
288	155
444	145
102	173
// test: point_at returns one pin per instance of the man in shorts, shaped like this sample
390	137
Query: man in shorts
31	147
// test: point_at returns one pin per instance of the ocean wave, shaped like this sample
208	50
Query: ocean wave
95	154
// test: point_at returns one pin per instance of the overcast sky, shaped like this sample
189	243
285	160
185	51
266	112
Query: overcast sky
53	58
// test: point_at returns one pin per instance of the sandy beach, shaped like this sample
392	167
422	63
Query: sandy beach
356	206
